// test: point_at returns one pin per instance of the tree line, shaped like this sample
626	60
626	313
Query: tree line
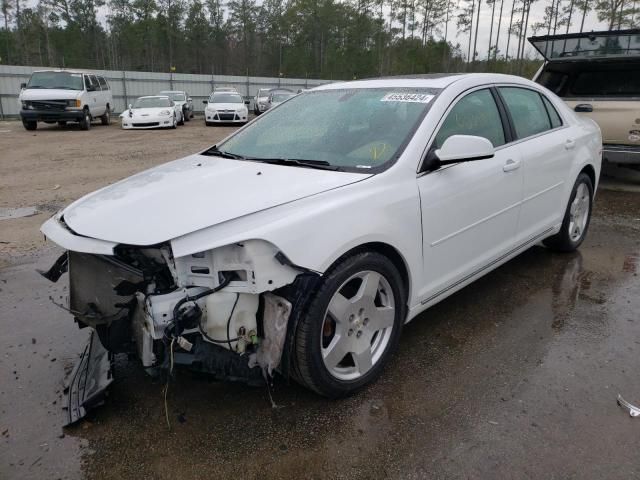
294	38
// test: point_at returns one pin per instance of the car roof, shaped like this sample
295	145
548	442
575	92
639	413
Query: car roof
67	71
154	96
437	80
172	91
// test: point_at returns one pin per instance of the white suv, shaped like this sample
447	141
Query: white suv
64	96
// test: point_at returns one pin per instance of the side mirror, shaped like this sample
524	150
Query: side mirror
459	148
205	101
130	106
247	102
23	85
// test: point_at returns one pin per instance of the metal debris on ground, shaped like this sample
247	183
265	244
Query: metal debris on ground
9	213
633	410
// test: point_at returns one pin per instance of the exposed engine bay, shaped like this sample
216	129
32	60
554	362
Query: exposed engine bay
224	312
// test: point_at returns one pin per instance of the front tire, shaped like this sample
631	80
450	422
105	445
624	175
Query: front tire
185	116
351	327
85	122
576	217
29	125
175	122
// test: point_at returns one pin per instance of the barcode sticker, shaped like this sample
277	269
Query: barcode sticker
407	97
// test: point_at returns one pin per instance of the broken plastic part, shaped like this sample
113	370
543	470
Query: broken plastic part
633	410
275	320
88	380
60	266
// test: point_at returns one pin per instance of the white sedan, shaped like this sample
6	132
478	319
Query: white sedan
305	241
225	107
157	111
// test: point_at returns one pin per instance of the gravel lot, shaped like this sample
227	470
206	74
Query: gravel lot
515	376
53	166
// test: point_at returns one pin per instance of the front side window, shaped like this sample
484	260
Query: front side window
528	113
94	82
61	80
476	114
353	129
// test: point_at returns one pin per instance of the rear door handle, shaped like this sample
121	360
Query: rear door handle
569	144
511	165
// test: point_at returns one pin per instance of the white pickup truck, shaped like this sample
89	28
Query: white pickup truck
64	96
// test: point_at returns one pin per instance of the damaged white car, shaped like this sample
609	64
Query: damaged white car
304	241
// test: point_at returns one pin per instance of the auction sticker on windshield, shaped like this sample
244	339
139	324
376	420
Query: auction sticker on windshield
407	97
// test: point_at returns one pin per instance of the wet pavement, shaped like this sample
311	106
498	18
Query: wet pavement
516	376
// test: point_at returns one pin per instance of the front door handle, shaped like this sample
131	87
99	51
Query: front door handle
569	144
511	165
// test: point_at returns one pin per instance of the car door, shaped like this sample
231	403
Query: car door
93	95
470	209
546	149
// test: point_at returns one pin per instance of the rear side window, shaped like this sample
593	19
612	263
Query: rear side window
476	114
103	83
528	113
556	121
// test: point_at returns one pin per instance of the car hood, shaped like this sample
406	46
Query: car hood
49	94
225	106
195	192
145	112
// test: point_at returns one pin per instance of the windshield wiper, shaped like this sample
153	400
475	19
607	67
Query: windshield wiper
298	162
214	152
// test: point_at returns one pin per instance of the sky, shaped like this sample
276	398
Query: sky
536	15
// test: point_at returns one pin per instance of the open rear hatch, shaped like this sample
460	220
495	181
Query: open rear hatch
588	45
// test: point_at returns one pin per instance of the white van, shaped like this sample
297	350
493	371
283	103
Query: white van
64	96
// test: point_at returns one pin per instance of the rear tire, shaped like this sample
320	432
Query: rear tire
85	122
106	118
351	326
577	216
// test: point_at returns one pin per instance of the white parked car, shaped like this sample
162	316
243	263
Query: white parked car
306	240
276	97
260	101
152	112
225	107
64	96
182	100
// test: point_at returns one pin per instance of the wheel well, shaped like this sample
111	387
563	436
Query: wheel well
391	253
588	169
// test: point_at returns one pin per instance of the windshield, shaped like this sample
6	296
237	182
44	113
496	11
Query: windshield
152	102
280	97
225	98
64	80
176	97
355	129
